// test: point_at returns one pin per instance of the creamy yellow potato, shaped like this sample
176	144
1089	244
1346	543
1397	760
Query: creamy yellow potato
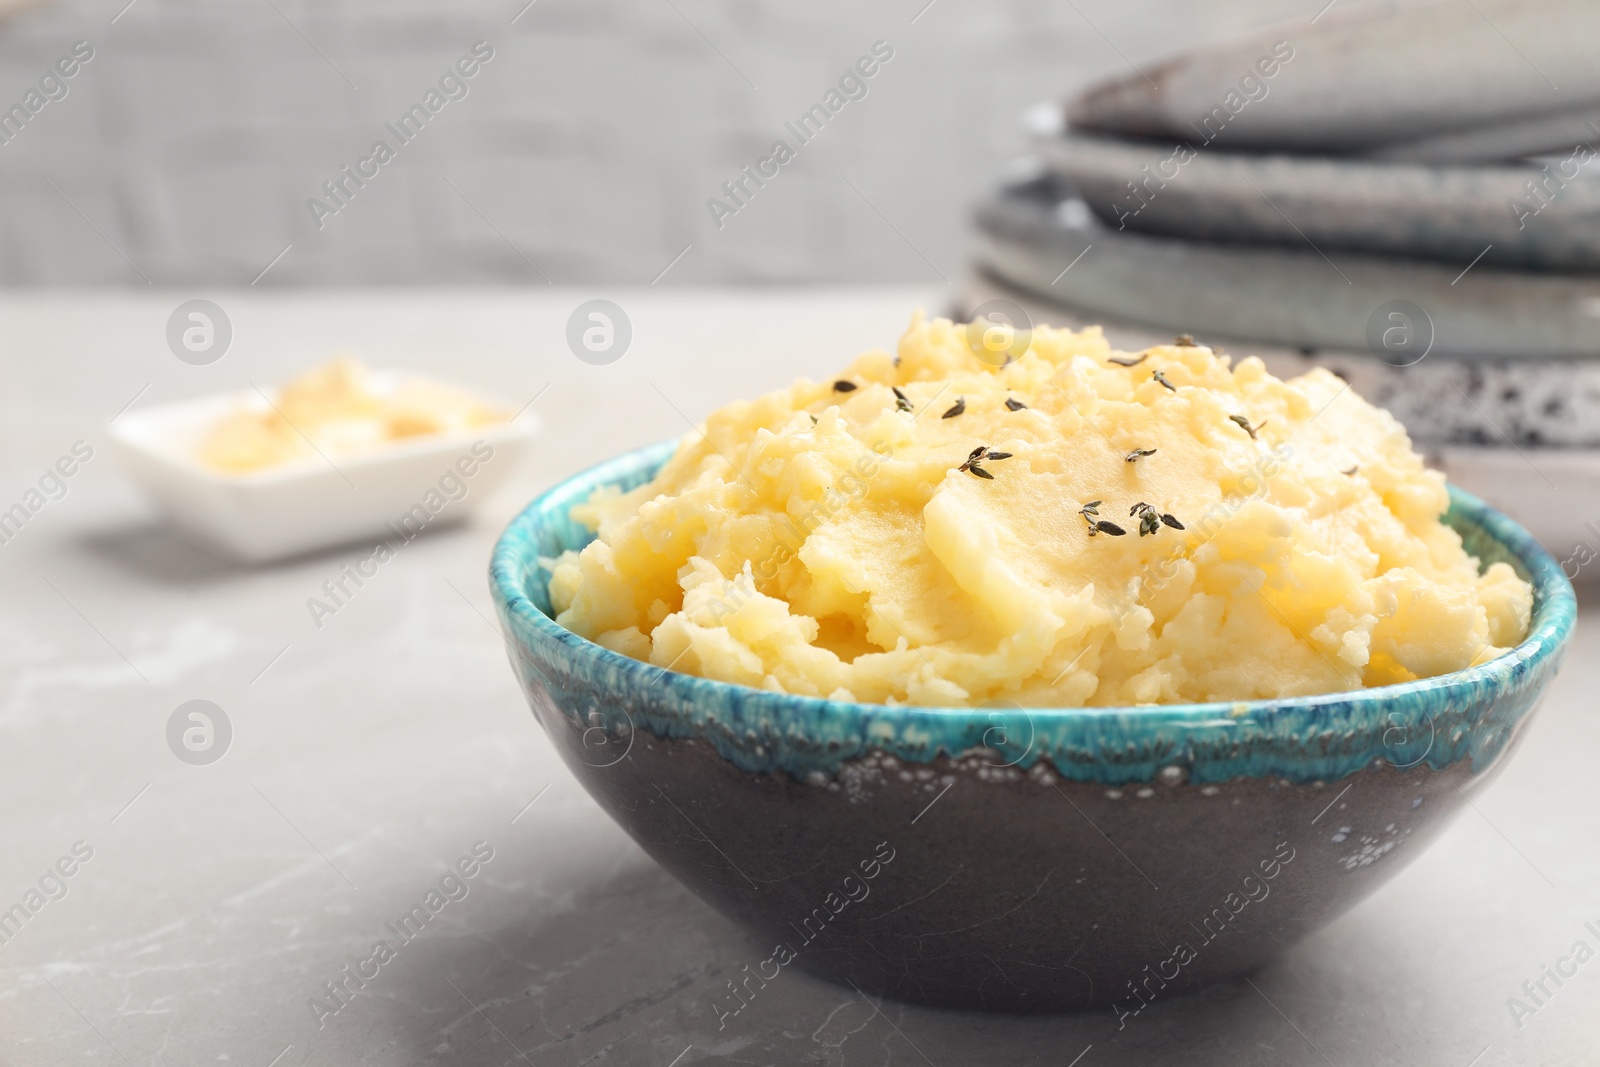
1178	529
336	409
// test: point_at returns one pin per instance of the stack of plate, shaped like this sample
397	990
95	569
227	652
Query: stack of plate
1411	198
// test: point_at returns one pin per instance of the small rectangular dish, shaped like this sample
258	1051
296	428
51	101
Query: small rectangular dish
391	490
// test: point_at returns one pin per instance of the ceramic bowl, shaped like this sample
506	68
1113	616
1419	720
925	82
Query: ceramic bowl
1016	859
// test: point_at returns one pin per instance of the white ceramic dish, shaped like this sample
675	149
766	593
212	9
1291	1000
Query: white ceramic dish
391	492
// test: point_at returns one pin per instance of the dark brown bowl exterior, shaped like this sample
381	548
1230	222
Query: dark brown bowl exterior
1007	890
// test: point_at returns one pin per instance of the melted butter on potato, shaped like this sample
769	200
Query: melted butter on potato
823	540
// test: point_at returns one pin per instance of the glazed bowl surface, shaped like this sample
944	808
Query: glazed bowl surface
1006	858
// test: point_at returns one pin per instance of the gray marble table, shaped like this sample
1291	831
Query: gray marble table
208	907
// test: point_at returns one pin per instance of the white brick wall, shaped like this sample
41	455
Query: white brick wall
591	141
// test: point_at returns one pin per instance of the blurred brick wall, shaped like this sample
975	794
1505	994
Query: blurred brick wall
184	152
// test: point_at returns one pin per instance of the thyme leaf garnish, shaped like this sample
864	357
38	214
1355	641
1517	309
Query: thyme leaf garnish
1186	340
1134	362
1099	526
900	401
955	409
1351	471
1012	404
1138	454
1151	520
844	386
1244	424
982	452
1162	378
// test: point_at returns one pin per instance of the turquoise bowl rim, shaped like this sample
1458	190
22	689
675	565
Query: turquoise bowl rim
1471	713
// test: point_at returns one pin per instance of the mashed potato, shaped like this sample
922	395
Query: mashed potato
1075	527
336	409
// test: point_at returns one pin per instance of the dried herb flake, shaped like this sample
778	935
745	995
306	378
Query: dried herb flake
1013	404
900	401
1138	454
1098	526
982	452
1134	362
1244	424
1151	520
844	386
1156	375
956	409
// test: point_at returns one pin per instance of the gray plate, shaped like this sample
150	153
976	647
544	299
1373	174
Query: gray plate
1032	230
1454	214
1414	82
